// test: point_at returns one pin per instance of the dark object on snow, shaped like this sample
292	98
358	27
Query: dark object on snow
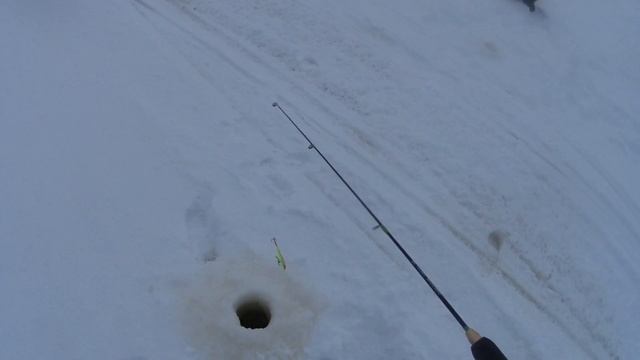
485	349
531	4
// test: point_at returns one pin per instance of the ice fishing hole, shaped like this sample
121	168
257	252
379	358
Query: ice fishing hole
253	313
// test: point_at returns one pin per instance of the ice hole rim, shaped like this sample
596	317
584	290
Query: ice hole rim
253	312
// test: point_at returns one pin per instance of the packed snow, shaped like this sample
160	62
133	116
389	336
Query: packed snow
144	172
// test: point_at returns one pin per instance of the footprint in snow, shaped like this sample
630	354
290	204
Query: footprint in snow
200	223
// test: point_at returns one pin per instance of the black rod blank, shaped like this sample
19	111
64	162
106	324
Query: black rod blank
380	225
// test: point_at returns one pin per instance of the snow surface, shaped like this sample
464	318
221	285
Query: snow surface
143	173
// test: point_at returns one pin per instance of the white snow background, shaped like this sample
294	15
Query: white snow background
143	173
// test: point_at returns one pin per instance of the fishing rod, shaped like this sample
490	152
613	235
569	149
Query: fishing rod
380	225
482	348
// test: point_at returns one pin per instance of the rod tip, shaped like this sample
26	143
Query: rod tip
274	104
